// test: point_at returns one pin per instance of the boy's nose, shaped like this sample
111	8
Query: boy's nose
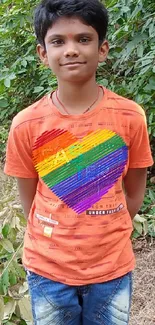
71	52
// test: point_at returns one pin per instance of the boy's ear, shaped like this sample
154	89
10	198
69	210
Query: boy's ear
41	51
103	51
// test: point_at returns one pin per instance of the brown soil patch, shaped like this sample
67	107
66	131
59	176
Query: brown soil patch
143	304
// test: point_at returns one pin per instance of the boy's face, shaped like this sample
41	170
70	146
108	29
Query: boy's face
72	50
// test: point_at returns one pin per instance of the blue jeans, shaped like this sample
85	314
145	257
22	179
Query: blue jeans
54	303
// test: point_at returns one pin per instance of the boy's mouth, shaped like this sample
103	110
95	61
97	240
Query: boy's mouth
73	63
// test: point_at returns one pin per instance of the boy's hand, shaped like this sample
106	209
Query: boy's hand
135	185
27	190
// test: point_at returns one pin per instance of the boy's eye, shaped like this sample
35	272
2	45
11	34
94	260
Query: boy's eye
84	40
57	42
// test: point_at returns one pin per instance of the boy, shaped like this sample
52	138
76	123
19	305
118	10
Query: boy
73	152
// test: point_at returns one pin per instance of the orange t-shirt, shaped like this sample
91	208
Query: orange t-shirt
79	228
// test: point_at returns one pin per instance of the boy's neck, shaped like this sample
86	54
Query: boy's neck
77	96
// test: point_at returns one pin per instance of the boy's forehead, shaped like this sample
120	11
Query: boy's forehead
69	27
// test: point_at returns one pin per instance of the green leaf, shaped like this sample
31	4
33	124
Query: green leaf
147	62
7	82
13	234
138	226
145	69
1	288
135	234
130	47
12	76
38	89
23	288
151	29
3	103
138	218
3	113
128	71
152	229
151	118
9	309
125	9
148	21
19	270
1	309
24	63
152	195
4	280
3	213
7	245
5	230
12	278
136	10
104	82
25	309
22	322
23	221
145	228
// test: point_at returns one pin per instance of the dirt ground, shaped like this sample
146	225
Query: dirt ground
143	304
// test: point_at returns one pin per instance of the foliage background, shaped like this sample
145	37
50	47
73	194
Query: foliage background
129	71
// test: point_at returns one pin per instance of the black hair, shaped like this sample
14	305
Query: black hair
91	12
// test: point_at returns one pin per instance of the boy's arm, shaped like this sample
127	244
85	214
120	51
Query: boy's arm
135	185
27	190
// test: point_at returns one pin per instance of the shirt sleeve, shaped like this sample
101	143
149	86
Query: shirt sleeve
19	161
140	152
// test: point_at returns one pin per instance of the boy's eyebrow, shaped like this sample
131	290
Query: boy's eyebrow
76	35
55	36
85	34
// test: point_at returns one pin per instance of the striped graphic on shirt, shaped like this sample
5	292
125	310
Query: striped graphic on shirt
80	172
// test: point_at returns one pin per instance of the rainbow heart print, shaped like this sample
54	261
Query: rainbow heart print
80	172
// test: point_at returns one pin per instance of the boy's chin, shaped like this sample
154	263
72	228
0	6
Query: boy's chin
75	78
